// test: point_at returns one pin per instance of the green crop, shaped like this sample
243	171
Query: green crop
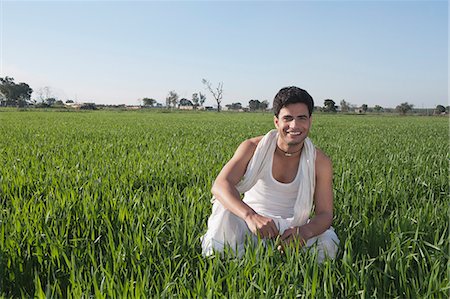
112	204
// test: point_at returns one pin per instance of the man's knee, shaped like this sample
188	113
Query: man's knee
326	244
330	246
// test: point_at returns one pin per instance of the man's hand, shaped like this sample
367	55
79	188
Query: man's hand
263	226
293	234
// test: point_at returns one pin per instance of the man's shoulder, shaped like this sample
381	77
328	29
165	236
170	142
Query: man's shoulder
322	160
248	147
321	155
254	141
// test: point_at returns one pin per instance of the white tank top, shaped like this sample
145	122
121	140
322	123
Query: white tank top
269	197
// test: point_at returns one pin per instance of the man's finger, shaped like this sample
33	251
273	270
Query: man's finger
287	233
273	229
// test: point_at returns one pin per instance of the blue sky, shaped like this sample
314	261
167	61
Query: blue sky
117	52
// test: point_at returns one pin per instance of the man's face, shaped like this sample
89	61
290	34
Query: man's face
293	123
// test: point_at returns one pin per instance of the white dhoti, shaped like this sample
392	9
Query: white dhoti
226	229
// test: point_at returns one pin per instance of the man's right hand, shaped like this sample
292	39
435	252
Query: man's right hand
262	226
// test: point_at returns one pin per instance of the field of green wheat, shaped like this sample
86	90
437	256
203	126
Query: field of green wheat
112	204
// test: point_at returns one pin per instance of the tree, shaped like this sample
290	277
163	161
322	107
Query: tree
264	105
234	106
329	105
43	94
195	100
202	98
217	93
7	91
59	103
254	105
12	94
344	106
41	105
186	102
403	108
88	106
440	109
364	107
378	108
46	92
24	97
172	99
50	101
149	102
69	102
198	99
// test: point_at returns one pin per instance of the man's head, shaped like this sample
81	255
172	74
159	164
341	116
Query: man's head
291	95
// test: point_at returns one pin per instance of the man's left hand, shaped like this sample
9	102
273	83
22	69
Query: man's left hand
293	234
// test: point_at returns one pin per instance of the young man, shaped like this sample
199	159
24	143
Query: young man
282	176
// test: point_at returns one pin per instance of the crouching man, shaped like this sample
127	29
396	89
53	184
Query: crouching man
282	176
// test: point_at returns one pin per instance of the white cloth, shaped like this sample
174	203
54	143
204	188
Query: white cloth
270	197
226	228
233	231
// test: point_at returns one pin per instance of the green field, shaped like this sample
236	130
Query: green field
112	204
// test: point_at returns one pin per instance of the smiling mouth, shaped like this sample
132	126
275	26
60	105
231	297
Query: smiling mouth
294	133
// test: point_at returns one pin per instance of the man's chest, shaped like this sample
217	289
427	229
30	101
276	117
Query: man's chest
284	170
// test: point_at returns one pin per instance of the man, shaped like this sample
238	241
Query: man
282	176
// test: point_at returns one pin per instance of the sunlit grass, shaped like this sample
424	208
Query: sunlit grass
113	204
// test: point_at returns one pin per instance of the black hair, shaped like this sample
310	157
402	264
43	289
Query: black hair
291	95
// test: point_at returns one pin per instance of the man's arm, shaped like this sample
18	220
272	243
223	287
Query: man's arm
323	201
224	190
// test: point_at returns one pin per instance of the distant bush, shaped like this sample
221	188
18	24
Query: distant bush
88	106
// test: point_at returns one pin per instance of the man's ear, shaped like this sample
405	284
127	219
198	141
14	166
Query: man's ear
275	121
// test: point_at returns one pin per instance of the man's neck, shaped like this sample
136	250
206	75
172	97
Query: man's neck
290	150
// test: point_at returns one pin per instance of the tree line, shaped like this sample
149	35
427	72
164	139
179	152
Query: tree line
330	106
19	95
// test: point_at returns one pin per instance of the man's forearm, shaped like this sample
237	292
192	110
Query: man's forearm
230	198
318	224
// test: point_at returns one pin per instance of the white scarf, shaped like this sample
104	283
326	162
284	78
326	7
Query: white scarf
266	147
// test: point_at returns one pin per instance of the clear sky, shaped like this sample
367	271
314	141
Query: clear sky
117	52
